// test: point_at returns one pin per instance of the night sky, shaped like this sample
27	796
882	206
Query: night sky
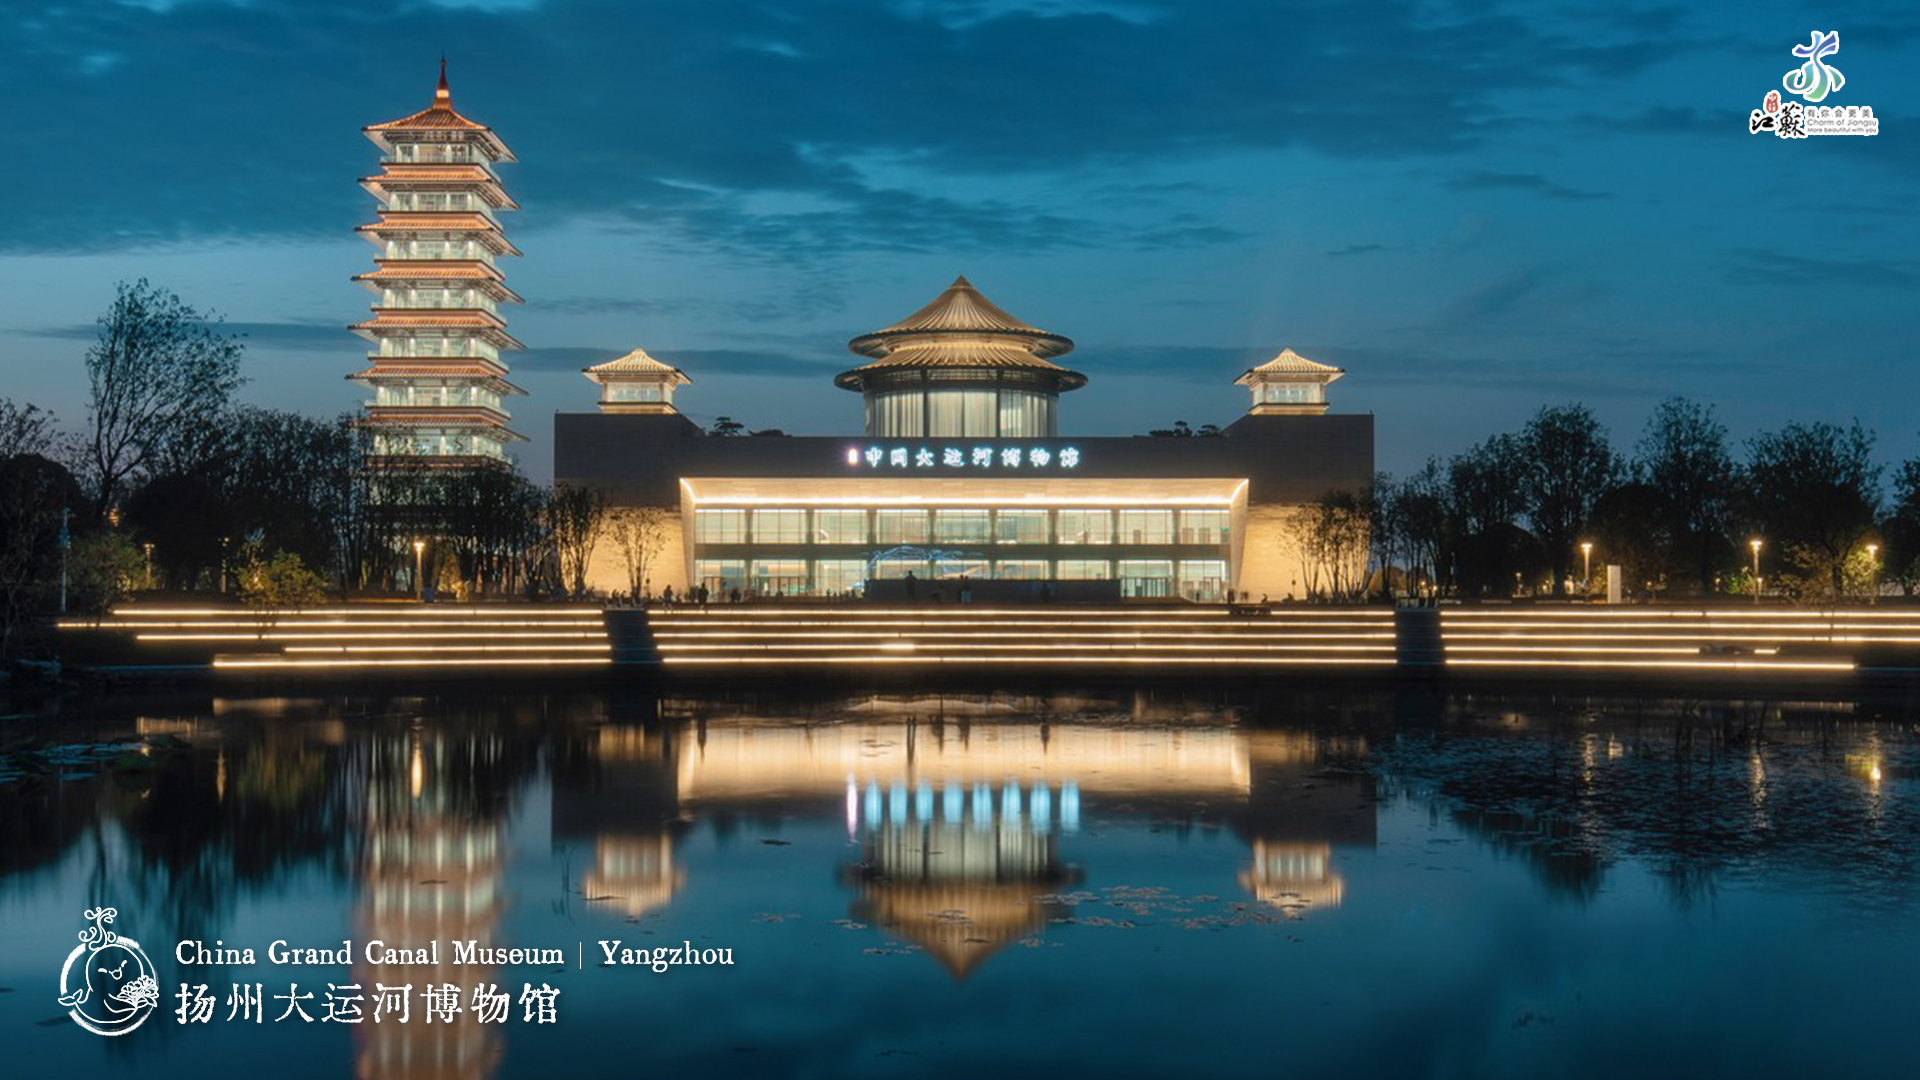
1476	209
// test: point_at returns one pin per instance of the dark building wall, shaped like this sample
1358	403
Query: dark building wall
641	458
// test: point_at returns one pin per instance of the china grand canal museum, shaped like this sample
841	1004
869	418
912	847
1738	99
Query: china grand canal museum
964	477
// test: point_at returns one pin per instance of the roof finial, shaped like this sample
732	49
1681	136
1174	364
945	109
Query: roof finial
442	95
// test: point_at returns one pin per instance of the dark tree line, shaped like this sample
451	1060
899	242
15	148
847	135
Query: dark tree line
1677	514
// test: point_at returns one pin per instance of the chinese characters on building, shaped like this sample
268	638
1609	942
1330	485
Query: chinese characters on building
353	1003
958	457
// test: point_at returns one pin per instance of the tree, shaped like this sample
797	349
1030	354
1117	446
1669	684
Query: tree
35	494
103	568
1421	510
158	373
727	426
575	515
1567	465
1683	457
1483	498
1901	529
1329	538
1813	492
639	532
25	429
279	580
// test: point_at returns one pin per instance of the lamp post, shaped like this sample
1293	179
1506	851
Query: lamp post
224	542
419	585
1586	570
1873	573
149	549
66	544
1755	545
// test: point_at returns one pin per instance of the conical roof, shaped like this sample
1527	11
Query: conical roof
961	329
439	116
1292	363
636	362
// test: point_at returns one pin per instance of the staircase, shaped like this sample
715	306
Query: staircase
1667	640
960	635
415	637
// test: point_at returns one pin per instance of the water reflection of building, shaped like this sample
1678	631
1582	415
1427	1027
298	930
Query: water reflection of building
960	822
430	871
962	869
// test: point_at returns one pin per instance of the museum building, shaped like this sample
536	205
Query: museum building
961	476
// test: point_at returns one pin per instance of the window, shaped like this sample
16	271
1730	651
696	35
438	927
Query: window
896	414
779	526
960	413
839	526
1025	414
1146	577
779	577
1146	527
960	526
961	568
1273	393
719	526
1203	579
1086	526
720	575
1084	569
892	569
630	391
1204	526
1020	569
900	526
1020	527
839	577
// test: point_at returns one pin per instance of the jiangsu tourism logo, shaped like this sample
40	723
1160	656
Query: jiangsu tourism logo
107	983
1815	80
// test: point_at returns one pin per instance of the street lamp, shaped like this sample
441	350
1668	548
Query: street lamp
225	541
1586	569
1873	573
419	585
1755	545
149	548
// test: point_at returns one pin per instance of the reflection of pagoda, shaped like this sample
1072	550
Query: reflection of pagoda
1291	876
636	871
961	873
615	790
431	872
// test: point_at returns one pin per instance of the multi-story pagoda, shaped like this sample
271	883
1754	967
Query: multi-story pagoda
436	375
1289	385
961	367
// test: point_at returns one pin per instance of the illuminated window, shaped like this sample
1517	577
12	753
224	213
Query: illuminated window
779	526
900	526
893	569
1020	569
839	577
839	526
719	526
1146	577
1204	526
779	577
1084	569
960	526
634	391
721	575
1203	579
1146	527
1086	526
962	568
1020	527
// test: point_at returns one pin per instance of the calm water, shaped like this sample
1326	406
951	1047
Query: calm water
1360	884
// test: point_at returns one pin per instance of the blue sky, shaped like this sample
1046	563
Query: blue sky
1475	208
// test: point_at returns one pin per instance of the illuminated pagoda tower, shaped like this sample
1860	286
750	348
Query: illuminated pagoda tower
636	383
436	375
1289	385
961	367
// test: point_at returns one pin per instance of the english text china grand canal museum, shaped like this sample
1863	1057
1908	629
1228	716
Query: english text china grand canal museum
962	477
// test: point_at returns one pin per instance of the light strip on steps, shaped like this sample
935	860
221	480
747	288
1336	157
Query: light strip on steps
1657	613
1091	624
1722	665
942	646
342	624
498	661
395	610
964	610
600	647
870	635
365	637
1242	661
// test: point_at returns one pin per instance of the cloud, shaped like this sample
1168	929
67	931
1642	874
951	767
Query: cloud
1768	267
742	102
1481	180
300	336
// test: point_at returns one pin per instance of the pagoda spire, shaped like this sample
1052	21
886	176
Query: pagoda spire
441	94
